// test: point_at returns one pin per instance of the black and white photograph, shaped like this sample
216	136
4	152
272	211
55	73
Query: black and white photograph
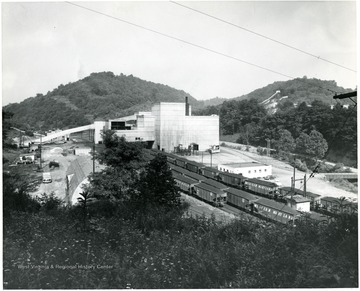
179	145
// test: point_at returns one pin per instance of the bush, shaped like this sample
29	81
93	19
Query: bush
50	203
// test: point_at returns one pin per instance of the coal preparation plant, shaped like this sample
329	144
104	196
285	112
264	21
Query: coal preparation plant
169	127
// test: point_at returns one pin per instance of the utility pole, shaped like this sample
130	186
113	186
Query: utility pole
293	180
40	148
93	152
94	157
210	151
268	146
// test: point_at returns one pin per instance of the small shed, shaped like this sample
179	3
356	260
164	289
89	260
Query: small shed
315	198
298	202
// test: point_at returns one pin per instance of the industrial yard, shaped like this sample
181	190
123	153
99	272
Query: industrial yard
282	173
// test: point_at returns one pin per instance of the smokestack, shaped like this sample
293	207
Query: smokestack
186	106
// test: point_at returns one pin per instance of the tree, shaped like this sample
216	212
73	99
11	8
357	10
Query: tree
302	143
157	186
285	106
286	142
112	184
6	124
119	153
317	146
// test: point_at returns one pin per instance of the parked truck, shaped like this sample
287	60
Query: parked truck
47	177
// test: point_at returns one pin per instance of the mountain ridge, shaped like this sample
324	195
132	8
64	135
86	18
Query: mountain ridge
104	95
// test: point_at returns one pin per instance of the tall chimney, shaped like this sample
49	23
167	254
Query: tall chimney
186	106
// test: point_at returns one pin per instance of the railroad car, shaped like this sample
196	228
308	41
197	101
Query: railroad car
261	187
209	172
275	211
171	158
335	204
234	180
177	169
194	166
181	162
315	198
240	199
194	176
210	194
216	184
185	184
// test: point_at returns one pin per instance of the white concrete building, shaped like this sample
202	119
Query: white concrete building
249	170
167	126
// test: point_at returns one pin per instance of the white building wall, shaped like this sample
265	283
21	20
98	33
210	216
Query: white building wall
155	110
305	206
249	172
145	130
100	126
173	128
169	125
202	130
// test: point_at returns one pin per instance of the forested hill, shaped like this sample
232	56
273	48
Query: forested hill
104	95
307	108
98	96
298	90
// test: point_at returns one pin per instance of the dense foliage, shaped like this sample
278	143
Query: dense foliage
49	250
313	130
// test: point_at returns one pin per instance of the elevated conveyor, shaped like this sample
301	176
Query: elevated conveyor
63	133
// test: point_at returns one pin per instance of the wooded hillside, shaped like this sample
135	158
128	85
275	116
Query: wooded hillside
299	90
98	96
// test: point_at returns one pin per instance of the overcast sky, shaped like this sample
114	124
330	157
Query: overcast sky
46	44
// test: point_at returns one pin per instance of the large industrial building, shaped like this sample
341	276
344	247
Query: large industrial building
167	127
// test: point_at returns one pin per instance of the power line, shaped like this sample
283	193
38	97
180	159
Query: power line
190	43
263	36
183	41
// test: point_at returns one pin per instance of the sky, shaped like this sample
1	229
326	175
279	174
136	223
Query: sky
45	44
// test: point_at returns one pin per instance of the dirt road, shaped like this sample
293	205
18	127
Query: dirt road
61	155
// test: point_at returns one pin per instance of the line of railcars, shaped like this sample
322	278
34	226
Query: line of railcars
216	187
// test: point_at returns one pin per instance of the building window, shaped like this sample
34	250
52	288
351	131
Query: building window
119	125
265	170
249	172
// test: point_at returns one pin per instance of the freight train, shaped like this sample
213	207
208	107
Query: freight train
257	196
